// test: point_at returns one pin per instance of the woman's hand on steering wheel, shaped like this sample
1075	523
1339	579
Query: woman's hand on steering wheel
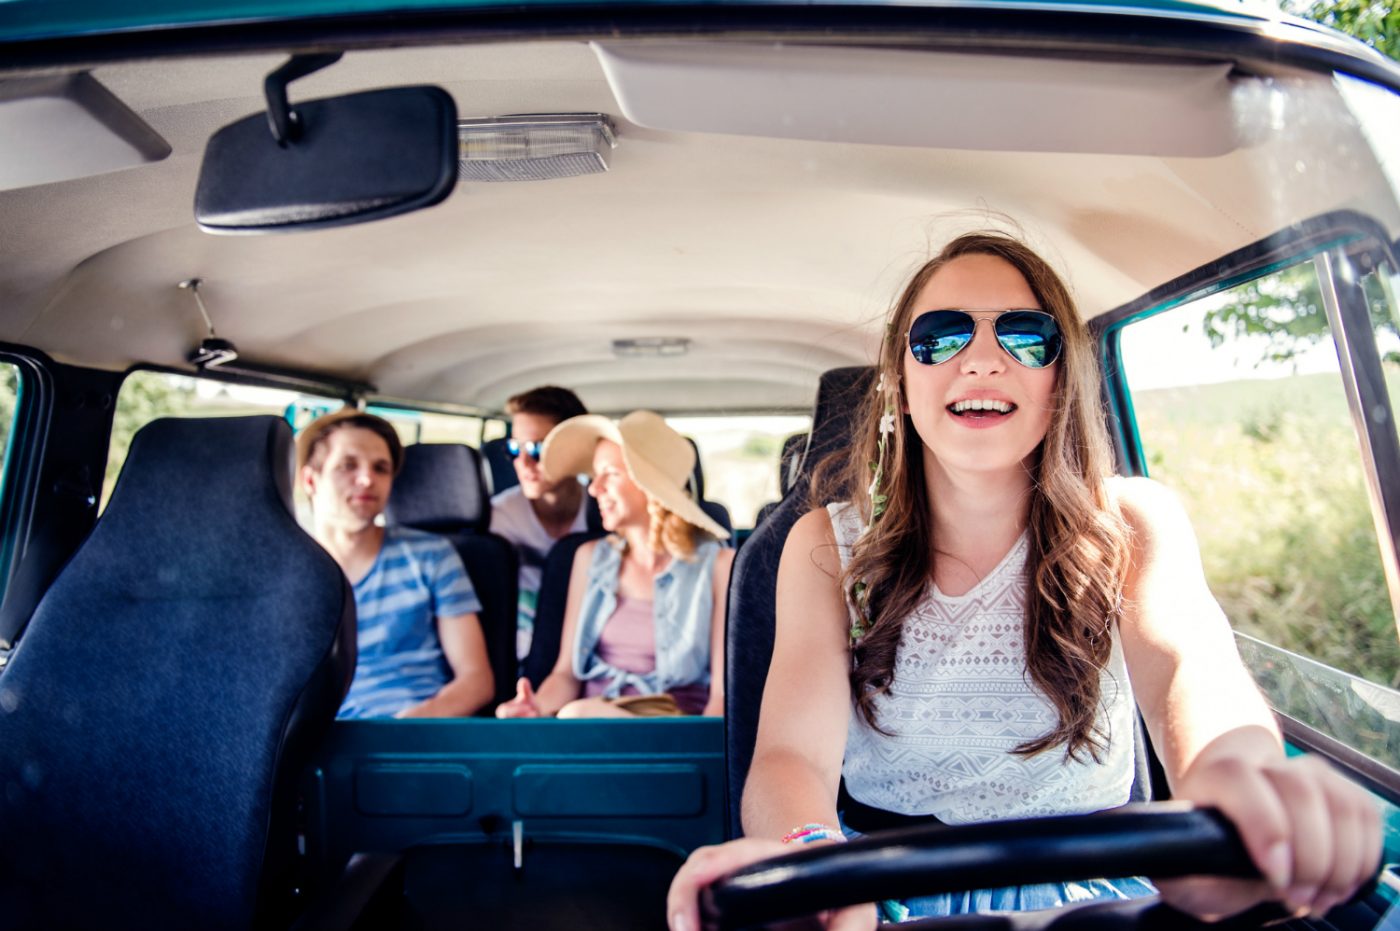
707	864
1314	835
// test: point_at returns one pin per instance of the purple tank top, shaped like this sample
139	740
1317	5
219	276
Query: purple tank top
628	642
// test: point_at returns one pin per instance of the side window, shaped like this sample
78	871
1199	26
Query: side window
739	458
146	396
9	398
493	430
1240	407
412	426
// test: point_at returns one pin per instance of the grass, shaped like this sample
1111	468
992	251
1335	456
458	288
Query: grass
1270	472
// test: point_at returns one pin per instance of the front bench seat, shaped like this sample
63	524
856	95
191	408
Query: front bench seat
753	581
169	692
441	489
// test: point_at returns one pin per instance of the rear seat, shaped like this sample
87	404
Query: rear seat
716	511
789	465
752	584
554	596
441	489
500	474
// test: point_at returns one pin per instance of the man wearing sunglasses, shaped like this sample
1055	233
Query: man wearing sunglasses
537	512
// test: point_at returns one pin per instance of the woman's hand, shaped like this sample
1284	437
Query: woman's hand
707	864
523	705
1315	836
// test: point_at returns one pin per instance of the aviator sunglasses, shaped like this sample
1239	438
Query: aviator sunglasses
1031	337
532	448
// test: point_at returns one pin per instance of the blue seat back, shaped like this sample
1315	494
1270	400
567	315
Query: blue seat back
749	630
500	470
172	685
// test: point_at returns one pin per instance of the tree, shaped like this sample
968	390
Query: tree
1286	310
1375	23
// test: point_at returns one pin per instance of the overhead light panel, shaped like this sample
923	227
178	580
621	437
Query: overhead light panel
651	346
534	146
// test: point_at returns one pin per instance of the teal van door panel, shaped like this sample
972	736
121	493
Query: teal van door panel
610	790
435	789
394	785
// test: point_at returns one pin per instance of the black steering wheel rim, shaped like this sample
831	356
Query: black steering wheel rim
1161	839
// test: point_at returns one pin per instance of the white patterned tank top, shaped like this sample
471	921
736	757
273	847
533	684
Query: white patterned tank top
961	701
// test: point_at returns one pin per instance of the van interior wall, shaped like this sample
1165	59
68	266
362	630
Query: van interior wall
66	457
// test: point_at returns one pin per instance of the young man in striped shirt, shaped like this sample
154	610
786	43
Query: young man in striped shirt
421	650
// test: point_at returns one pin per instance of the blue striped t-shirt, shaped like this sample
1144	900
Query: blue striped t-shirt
417	578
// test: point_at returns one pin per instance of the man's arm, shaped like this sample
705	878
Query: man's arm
472	684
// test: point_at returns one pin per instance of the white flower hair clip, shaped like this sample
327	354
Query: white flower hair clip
860	621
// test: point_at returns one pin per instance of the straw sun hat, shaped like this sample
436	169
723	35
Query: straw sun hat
658	459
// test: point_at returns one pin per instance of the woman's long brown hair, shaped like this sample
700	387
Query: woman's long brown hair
1078	544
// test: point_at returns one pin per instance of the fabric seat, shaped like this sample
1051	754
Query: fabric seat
789	464
169	691
749	628
713	509
549	608
500	472
441	490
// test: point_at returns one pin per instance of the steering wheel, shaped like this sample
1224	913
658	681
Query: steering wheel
1161	839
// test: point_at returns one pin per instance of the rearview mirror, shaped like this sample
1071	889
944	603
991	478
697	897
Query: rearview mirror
348	160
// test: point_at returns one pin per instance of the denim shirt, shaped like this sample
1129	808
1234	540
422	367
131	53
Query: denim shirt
682	605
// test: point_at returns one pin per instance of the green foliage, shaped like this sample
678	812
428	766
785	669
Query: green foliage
1271	474
1285	309
9	393
144	396
761	446
1284	312
1375	23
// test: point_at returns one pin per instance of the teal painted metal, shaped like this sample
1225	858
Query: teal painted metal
393	785
45	19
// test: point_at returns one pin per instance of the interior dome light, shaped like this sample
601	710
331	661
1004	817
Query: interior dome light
534	146
651	346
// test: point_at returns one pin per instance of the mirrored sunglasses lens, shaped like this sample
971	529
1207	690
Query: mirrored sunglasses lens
939	335
1032	339
515	449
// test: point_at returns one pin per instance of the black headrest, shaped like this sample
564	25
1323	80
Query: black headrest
750	614
440	489
168	692
697	474
500	471
789	460
839	396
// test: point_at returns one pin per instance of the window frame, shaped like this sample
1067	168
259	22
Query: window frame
1364	387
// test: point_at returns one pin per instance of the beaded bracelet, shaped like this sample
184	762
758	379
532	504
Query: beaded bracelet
816	831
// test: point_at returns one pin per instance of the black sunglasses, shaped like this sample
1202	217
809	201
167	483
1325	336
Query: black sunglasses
533	448
1031	337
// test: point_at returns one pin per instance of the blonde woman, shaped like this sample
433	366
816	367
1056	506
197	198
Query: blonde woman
967	638
644	622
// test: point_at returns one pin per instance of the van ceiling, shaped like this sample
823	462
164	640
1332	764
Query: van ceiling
775	257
